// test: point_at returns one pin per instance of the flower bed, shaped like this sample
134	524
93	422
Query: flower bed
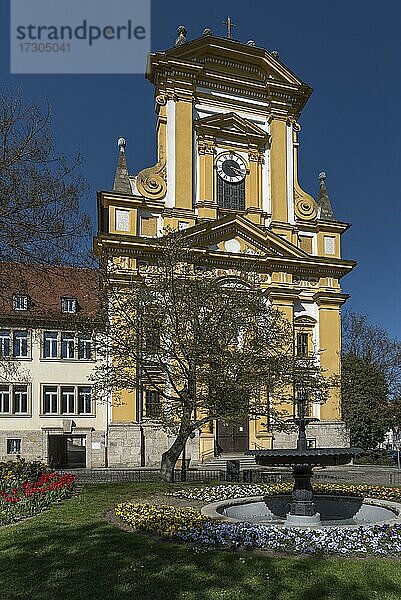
28	488
166	521
382	540
225	492
187	525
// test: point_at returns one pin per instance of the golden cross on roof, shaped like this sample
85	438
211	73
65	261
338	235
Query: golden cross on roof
229	24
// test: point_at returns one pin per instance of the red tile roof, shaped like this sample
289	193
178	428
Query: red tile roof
45	286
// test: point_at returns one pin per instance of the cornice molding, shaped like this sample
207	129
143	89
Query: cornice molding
231	67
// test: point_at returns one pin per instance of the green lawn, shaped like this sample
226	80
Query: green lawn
70	553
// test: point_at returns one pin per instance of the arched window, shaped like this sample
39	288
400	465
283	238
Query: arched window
231	195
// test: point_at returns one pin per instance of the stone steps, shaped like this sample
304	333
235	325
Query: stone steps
220	462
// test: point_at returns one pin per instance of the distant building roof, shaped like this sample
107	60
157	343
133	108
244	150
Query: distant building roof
45	287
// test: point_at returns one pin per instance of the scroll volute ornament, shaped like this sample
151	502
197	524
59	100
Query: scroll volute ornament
151	182
305	205
305	208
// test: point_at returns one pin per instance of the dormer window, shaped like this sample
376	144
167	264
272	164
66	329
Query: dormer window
69	305
20	302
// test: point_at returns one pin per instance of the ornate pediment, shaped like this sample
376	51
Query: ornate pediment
230	56
231	126
225	65
237	235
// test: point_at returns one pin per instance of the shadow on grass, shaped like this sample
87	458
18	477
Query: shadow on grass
56	557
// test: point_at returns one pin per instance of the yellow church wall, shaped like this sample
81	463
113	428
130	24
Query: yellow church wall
253	188
123	407
278	170
206	445
170	223
286	307
206	212
184	160
255	216
207	208
284	230
206	176
330	346
330	282
259	436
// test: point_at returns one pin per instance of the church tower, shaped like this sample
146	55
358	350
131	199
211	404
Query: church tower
226	172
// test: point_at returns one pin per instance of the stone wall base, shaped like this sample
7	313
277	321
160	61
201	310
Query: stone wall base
128	441
158	441
34	445
324	434
31	444
124	445
125	440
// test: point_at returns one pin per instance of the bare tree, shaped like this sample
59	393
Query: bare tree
40	190
41	224
208	347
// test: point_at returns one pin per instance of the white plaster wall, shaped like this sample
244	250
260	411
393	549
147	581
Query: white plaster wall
36	371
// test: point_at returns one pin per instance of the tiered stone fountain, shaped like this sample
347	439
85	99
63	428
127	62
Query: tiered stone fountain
301	506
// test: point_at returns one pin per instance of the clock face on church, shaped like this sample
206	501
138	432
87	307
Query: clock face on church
231	167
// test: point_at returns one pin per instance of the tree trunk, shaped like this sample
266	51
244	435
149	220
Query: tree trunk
170	457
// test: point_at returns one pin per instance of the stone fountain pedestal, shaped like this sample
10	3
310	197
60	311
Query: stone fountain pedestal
302	507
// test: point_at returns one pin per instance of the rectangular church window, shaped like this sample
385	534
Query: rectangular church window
302	344
329	244
152	404
122	220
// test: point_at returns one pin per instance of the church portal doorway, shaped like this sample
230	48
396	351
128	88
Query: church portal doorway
232	438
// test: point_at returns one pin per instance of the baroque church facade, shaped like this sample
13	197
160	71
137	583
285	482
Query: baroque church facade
226	173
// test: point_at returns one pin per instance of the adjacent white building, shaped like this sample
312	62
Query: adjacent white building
48	325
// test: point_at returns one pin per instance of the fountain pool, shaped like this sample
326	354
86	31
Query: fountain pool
333	511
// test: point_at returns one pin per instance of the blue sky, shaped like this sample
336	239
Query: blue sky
348	51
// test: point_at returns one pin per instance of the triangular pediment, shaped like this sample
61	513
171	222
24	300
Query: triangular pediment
237	235
230	123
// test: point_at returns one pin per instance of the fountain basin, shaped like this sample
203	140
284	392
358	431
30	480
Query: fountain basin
255	510
314	457
302	511
331	507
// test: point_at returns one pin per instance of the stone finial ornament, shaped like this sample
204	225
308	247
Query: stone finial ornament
182	35
207	31
251	43
325	209
121	179
275	54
